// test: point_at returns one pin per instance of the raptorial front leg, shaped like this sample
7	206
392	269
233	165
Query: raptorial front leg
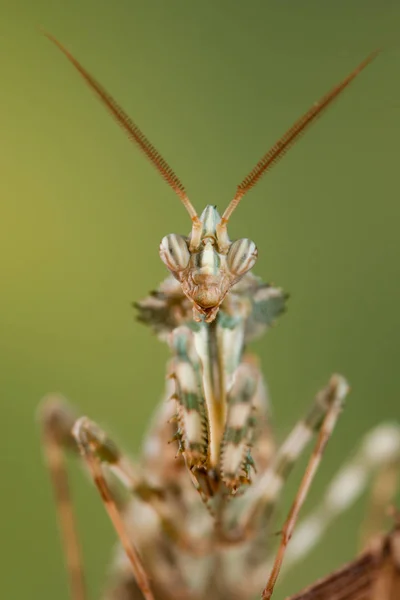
241	425
193	433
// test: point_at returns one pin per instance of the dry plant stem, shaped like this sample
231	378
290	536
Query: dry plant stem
58	474
374	575
93	464
315	459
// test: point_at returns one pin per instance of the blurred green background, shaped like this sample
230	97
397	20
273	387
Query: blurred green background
213	84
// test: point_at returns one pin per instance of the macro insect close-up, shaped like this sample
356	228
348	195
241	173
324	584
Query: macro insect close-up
201	515
204	503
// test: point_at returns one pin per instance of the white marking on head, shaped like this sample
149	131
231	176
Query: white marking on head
208	266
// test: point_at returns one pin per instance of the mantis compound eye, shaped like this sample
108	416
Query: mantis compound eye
174	252
241	256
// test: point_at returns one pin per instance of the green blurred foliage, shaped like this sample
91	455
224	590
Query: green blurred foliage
213	84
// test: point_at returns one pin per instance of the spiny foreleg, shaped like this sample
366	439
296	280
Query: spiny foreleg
192	432
236	459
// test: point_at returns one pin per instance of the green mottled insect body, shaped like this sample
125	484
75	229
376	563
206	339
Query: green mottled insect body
192	419
216	386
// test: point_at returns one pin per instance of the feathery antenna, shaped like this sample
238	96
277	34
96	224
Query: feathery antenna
132	130
292	135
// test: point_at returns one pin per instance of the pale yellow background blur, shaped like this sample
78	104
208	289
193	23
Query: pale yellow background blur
213	84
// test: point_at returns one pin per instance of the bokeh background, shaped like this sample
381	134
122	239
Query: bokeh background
213	84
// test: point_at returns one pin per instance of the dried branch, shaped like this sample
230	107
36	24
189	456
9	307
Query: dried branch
375	575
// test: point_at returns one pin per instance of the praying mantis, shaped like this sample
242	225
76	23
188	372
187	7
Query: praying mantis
198	513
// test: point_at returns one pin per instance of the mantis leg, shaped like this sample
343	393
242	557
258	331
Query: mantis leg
57	420
377	457
252	515
262	497
62	431
337	391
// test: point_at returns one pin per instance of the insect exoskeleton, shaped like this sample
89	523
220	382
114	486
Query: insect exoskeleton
195	523
205	267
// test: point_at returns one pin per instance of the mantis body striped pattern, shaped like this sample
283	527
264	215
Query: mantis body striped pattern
200	510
